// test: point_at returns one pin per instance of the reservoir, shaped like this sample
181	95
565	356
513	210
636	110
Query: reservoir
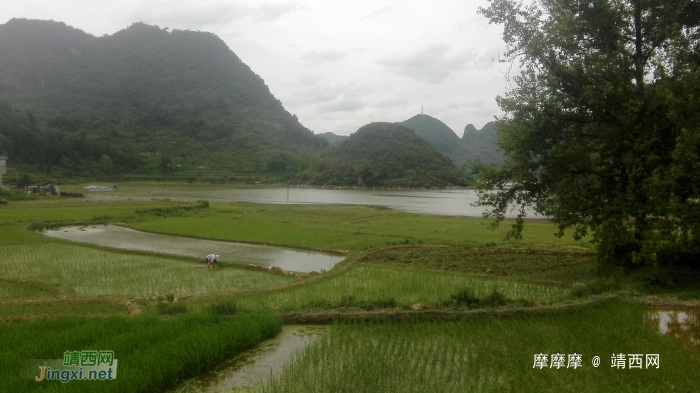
432	202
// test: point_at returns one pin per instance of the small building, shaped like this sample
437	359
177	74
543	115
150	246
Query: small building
3	167
45	187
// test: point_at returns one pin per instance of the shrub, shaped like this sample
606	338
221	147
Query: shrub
578	290
170	309
223	308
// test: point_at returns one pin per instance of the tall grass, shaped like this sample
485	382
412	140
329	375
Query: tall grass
153	354
370	283
490	355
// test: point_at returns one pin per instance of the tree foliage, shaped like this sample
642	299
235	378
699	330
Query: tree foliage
134	96
601	129
381	155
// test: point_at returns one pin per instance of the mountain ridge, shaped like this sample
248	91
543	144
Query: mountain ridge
384	155
145	89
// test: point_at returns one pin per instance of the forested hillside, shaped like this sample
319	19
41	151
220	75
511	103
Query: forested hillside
440	135
382	155
142	99
481	144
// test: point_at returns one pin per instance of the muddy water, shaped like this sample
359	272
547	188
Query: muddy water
680	324
266	360
125	238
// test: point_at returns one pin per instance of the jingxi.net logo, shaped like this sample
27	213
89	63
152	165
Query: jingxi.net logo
89	365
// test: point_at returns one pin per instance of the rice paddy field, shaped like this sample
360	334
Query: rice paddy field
492	355
405	288
153	354
74	270
56	296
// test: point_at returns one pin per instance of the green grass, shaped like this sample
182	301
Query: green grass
60	210
491	355
73	270
353	228
153	354
340	227
370	283
550	264
22	289
61	307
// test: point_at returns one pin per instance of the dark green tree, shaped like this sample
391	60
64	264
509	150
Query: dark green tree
165	162
601	129
106	165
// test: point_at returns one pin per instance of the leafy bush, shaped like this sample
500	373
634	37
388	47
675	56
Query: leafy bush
578	290
467	298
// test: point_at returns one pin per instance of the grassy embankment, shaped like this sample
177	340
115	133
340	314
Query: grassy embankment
153	354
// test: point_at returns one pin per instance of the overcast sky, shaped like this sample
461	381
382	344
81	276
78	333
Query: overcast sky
337	65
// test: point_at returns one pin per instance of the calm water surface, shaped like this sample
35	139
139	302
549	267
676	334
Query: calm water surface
433	202
679	324
125	238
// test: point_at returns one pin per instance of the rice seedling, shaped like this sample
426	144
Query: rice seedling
20	310
491	355
404	287
153	354
91	272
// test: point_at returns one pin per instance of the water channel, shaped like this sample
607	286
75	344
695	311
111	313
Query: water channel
264	361
241	253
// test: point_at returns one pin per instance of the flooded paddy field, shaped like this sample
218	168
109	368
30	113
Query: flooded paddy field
491	355
240	253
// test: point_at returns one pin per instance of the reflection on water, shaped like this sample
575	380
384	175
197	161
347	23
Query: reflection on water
254	366
680	324
435	202
125	238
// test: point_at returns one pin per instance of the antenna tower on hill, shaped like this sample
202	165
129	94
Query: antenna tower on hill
421	110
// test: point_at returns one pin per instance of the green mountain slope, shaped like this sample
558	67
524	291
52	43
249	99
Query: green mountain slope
440	135
482	143
383	154
170	97
333	139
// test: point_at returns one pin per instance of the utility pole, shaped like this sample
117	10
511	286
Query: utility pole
287	192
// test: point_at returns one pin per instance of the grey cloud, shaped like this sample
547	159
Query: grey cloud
433	65
318	92
391	102
317	57
194	15
269	11
344	104
379	12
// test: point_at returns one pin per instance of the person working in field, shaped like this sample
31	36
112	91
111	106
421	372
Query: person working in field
211	260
